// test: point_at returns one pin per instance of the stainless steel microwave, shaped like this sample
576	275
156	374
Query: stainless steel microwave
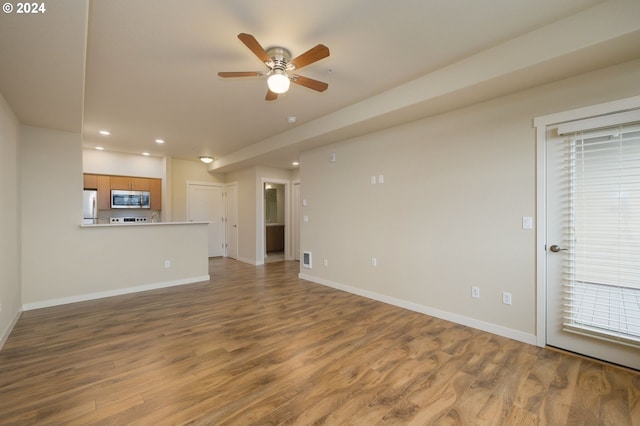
130	199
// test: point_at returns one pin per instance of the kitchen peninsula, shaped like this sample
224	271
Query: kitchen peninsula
117	259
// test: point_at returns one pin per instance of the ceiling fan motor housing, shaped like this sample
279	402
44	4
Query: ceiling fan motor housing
280	57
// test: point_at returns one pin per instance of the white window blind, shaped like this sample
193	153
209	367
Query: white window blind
602	261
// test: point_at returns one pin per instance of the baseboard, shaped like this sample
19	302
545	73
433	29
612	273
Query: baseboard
5	335
249	261
449	316
102	294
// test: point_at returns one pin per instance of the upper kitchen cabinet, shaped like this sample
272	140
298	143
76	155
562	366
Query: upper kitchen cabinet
155	189
90	181
130	183
102	184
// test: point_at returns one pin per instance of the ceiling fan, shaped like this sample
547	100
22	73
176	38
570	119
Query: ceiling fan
281	67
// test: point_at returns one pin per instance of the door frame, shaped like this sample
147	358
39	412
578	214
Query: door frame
295	220
227	233
541	123
261	232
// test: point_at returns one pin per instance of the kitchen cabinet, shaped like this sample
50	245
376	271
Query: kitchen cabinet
275	238
129	183
102	184
90	181
104	192
105	183
155	189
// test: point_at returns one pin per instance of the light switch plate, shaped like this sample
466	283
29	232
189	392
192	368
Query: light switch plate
527	222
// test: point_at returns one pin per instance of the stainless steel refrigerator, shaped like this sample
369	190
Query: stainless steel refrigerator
90	207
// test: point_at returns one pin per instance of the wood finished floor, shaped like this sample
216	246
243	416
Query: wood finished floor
256	345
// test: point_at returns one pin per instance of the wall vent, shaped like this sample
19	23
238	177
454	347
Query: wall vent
306	259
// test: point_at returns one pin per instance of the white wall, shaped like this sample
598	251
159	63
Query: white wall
63	262
9	221
449	213
119	164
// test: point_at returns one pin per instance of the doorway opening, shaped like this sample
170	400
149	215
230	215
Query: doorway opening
275	220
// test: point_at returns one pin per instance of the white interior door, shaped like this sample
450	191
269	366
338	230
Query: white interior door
231	207
205	205
593	243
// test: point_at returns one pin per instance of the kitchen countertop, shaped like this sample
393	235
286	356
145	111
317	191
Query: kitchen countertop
111	225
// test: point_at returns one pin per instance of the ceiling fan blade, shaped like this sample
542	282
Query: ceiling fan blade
310	56
271	96
320	86
240	74
255	47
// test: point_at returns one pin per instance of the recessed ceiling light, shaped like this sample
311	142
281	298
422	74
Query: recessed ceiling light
104	132
295	163
146	154
206	160
100	148
292	119
160	141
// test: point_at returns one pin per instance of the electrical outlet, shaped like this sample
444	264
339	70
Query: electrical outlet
167	264
506	298
475	292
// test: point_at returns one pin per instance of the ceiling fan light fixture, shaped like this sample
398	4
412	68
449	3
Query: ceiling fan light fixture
278	82
206	160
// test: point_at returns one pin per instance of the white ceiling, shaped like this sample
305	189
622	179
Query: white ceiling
147	69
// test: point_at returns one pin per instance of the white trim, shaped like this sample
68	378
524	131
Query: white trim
586	112
225	206
204	183
541	236
599	122
458	319
541	123
249	261
110	293
9	329
295	216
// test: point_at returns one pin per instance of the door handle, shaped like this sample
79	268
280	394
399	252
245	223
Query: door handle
556	248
